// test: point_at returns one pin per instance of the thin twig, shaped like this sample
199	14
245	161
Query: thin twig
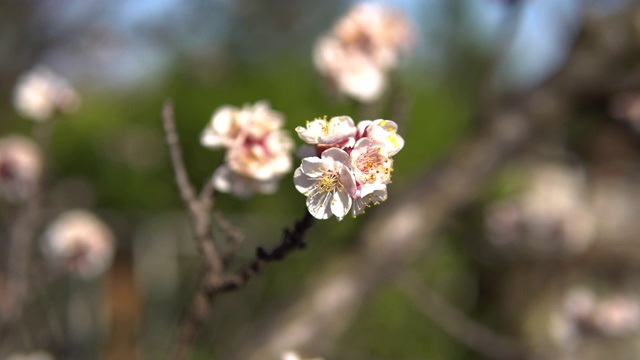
198	208
187	192
291	240
213	284
234	236
454	322
212	278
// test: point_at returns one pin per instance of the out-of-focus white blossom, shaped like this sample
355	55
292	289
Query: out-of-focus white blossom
552	213
353	73
361	48
625	107
258	151
228	181
583	313
618	315
291	355
228	123
40	94
263	158
40	355
355	159
20	167
80	242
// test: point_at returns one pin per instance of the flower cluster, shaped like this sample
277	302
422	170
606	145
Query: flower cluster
361	48
258	151
351	167
80	242
40	94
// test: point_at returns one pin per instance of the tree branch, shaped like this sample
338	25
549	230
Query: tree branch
454	322
291	240
213	279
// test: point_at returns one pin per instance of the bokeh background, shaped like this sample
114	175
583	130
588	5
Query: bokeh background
518	262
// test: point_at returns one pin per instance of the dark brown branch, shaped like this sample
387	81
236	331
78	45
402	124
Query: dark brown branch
212	284
454	322
291	240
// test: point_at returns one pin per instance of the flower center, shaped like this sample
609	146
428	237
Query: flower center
328	182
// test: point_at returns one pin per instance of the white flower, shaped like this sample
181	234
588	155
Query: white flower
261	159
259	120
361	48
258	150
255	165
20	167
40	94
327	182
228	123
222	129
79	241
375	30
370	163
353	73
338	131
383	132
228	181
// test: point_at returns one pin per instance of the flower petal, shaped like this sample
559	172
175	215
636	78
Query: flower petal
337	155
360	204
340	203
210	139
313	166
348	181
319	205
303	183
